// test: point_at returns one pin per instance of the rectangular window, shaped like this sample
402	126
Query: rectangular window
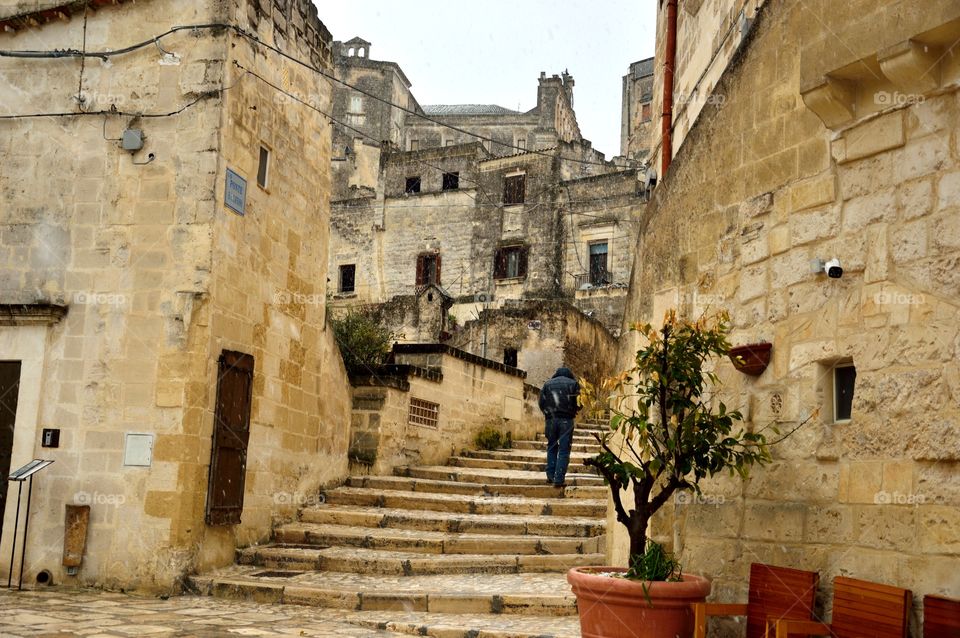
356	104
425	413
645	112
263	167
522	143
348	274
844	378
599	274
510	357
451	181
510	261
413	185
428	269
356	119
414	145
514	189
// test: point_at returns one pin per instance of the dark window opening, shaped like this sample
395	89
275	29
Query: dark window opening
413	185
844	379
510	357
514	189
599	274
428	269
510	261
348	273
451	181
262	168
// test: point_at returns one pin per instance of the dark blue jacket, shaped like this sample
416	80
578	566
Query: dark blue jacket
558	397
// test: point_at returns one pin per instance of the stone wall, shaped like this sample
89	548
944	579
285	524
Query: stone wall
546	336
637	121
760	188
472	393
159	277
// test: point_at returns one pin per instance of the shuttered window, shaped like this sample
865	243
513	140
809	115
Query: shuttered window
231	433
510	261
514	189
428	269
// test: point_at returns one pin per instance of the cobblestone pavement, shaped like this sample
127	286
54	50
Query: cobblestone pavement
59	613
55	613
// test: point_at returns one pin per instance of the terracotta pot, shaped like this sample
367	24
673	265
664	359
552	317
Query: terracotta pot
613	607
752	358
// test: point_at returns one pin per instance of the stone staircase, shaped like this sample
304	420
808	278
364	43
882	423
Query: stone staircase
479	547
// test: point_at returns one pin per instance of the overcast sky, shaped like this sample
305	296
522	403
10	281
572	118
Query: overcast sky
492	51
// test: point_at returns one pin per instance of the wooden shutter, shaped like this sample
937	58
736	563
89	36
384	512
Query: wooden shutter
522	263
437	281
500	264
514	189
231	433
421	270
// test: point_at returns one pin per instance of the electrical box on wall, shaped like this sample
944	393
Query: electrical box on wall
132	140
50	437
138	450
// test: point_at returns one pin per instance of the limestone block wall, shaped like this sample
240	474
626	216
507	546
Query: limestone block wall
546	336
472	393
268	294
127	248
159	277
759	189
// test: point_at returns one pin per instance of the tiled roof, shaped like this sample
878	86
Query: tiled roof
467	109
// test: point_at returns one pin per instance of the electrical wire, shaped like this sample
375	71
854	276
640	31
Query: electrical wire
104	55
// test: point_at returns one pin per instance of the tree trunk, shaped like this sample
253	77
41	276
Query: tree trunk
638	536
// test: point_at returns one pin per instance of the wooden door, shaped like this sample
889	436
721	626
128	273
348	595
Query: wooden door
231	433
9	392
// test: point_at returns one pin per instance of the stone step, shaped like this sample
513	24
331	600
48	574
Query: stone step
447	522
529	456
540	489
493	476
510	596
429	542
356	560
527	466
467	504
585	448
577	438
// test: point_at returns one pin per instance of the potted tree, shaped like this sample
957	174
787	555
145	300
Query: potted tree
667	433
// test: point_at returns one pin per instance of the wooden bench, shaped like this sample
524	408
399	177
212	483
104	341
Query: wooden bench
775	593
861	609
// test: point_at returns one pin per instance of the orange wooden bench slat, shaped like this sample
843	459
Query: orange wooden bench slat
941	617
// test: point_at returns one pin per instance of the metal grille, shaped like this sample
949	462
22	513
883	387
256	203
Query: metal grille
423	413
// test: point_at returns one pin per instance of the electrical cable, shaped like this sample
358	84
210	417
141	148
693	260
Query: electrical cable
66	53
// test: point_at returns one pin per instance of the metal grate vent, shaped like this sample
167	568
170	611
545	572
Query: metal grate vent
423	413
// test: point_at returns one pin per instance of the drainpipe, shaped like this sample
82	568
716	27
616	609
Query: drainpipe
666	144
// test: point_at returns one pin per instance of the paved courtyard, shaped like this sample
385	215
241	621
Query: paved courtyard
54	613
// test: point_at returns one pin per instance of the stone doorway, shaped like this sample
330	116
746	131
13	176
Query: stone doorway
9	395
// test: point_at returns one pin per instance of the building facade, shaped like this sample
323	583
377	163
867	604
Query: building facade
636	116
162	274
823	143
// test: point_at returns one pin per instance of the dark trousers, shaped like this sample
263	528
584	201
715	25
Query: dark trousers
559	433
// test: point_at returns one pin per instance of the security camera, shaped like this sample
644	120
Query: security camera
833	268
